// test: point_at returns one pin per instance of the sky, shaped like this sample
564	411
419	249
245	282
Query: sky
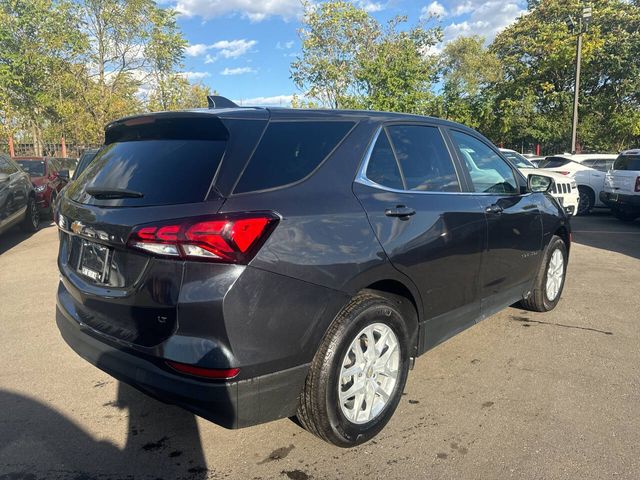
244	48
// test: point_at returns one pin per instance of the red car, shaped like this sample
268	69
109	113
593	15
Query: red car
48	179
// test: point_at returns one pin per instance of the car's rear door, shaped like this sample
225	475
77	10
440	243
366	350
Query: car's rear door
624	176
411	189
514	222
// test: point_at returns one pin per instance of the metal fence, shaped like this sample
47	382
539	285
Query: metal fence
70	150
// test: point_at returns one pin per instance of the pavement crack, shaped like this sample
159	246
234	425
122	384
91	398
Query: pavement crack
577	327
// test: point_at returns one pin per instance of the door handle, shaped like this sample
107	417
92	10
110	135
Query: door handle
400	211
496	209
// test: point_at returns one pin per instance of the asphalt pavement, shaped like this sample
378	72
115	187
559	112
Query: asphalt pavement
520	395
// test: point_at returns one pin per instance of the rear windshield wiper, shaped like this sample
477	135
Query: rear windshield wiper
102	193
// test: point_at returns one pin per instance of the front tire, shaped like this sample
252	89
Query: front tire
357	376
587	200
31	220
549	281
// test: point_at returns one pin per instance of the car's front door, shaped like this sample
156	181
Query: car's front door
514	223
12	195
410	187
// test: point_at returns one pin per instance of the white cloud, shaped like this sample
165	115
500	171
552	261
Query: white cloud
369	6
237	71
285	45
434	9
486	18
275	101
224	48
254	10
195	75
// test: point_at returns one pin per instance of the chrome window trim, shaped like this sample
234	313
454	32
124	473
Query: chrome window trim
362	179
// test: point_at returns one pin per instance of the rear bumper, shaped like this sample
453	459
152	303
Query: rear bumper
618	200
233	404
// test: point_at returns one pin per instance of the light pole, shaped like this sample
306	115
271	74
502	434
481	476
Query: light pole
582	27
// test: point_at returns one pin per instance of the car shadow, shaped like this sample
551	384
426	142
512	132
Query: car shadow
38	442
16	235
602	230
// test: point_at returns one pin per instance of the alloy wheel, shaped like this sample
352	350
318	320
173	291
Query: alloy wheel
369	373
555	274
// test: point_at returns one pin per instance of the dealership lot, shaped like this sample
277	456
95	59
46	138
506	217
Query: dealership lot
520	395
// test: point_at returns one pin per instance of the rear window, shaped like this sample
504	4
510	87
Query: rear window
289	151
553	162
35	168
627	162
165	160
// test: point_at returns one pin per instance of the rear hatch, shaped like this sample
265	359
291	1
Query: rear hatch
625	175
153	169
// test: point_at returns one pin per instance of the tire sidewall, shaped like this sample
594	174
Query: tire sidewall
590	200
348	433
556	244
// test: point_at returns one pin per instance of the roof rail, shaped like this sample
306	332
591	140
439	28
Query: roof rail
216	101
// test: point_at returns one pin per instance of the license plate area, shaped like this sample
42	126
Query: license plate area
93	261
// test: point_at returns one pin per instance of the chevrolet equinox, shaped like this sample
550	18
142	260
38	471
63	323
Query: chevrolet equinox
250	264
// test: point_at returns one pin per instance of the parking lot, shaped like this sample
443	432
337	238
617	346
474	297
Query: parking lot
520	395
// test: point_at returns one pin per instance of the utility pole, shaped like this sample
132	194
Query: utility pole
582	27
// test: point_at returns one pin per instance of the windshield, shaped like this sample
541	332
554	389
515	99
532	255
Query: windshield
35	168
627	162
518	160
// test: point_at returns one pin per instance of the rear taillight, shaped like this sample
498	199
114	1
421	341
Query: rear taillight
213	373
221	238
637	189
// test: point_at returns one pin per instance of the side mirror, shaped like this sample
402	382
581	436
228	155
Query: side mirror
64	174
539	183
3	177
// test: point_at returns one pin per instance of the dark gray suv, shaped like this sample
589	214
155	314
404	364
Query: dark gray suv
251	264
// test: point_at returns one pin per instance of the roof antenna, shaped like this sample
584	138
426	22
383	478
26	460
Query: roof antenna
216	101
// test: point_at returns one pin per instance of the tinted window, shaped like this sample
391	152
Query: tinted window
35	168
288	152
84	161
424	159
489	173
627	162
164	171
383	168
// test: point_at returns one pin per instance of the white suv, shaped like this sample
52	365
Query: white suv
622	186
588	170
564	188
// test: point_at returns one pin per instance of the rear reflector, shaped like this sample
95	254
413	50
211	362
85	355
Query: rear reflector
233	238
215	373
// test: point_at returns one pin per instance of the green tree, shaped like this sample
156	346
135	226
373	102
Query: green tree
334	35
468	71
178	94
38	40
397	74
535	99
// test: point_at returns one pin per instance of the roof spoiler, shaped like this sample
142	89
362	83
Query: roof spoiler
216	101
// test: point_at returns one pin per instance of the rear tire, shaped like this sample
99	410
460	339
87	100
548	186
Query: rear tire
587	200
549	282
31	220
346	374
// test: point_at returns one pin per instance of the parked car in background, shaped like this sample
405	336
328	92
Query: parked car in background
590	180
48	179
17	198
84	161
564	188
299	290
622	186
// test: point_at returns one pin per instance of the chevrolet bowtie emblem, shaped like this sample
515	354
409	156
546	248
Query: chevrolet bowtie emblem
76	227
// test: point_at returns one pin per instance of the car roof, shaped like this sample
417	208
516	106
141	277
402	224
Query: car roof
585	156
279	113
634	151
